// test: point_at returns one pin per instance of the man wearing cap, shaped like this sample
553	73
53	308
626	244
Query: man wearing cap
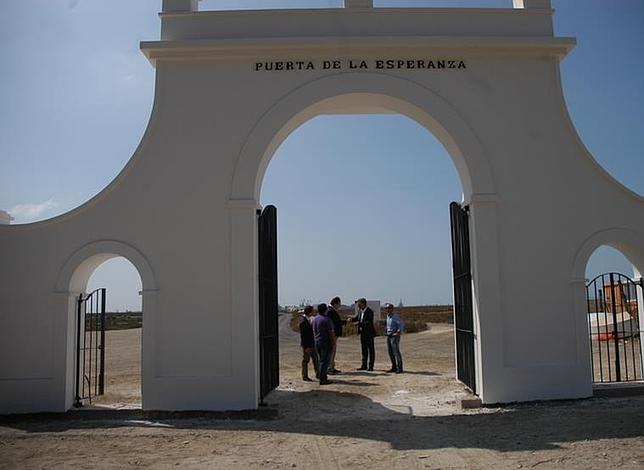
324	338
394	330
367	332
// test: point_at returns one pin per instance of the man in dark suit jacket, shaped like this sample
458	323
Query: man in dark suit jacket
334	316
367	332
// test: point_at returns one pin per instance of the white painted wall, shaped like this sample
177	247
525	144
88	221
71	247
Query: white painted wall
539	203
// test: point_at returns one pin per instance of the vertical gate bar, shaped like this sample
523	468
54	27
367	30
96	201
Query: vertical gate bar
618	366
262	320
590	334
101	379
623	341
632	288
605	310
637	329
96	337
275	297
92	363
639	322
630	324
84	347
77	401
91	346
89	301
260	239
84	368
89	318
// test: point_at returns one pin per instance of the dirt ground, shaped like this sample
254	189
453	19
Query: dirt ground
367	420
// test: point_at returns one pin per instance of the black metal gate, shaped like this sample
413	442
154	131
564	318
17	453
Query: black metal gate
613	326
268	305
90	346
463	312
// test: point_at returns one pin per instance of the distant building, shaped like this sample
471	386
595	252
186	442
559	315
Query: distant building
5	218
625	298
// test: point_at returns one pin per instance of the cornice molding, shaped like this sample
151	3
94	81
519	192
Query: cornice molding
358	11
385	47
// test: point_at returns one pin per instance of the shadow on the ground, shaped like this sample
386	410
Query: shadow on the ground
360	373
335	380
413	372
385	373
536	426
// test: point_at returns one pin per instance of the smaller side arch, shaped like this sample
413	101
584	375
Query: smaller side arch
81	264
627	241
72	280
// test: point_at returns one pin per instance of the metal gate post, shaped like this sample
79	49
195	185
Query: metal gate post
463	308
268	304
79	304
101	377
618	369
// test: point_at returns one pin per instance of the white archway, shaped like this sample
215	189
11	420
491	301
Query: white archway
189	197
624	240
370	93
72	280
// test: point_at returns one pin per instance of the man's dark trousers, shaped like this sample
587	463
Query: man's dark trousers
393	348
368	350
324	356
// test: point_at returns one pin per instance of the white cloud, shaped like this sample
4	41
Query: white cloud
30	212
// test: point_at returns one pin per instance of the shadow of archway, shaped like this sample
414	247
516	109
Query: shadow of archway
532	427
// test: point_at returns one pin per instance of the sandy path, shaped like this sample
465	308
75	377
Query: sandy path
427	387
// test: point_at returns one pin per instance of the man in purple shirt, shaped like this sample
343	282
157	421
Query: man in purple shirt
307	343
324	338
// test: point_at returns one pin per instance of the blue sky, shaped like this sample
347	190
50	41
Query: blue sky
73	76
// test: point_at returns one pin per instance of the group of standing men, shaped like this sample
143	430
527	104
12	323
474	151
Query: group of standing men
319	334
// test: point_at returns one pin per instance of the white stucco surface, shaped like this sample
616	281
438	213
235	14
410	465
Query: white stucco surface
539	203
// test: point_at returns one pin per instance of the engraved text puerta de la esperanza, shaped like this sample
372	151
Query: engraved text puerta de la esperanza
353	64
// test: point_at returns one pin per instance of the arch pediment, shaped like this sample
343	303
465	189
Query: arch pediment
361	93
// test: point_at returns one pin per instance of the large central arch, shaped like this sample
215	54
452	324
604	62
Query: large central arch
372	93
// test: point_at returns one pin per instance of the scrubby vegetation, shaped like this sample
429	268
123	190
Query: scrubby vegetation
416	318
